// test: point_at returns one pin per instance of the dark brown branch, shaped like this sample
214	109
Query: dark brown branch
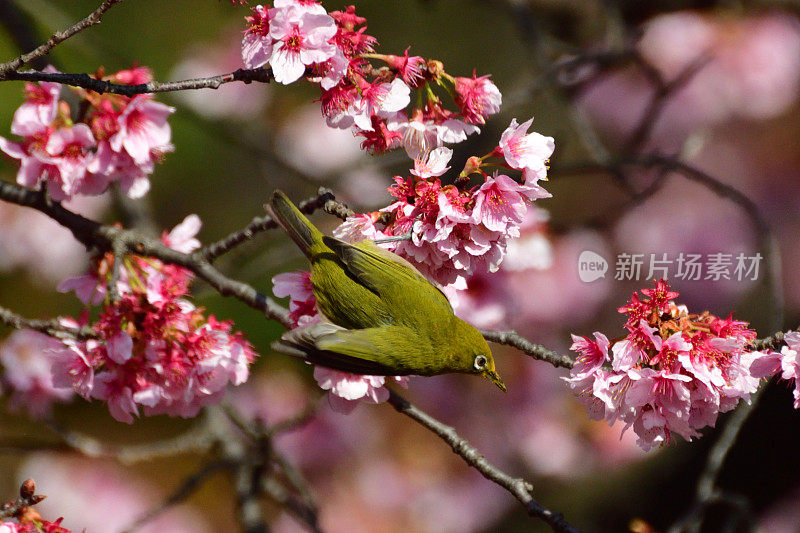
260	224
184	490
275	490
196	440
57	38
48	327
518	487
85	81
655	107
537	351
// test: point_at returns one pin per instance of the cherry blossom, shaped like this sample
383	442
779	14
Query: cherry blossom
301	39
159	353
477	97
525	151
673	373
432	163
25	359
120	141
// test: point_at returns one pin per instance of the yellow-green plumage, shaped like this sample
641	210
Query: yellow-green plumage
384	317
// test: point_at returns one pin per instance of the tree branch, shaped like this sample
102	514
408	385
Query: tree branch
518	487
108	238
537	351
323	200
57	38
85	81
49	327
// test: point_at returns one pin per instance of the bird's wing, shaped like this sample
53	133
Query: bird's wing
372	351
382	271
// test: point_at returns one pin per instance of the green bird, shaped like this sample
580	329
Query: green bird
382	316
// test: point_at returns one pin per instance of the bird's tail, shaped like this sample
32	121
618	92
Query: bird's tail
302	232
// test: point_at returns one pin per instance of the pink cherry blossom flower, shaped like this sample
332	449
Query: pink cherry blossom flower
25	359
70	366
257	43
379	100
301	39
39	109
302	303
593	353
499	203
58	157
347	390
408	67
358	228
477	97
307	6
420	135
182	237
433	163
525	151
790	363
143	129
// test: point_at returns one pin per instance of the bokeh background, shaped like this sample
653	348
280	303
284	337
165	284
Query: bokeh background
736	118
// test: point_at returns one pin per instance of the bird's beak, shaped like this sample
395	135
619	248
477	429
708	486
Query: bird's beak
494	377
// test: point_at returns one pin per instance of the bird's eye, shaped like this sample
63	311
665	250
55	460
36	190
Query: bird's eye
480	362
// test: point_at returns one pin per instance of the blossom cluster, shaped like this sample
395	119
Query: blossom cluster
156	350
673	372
115	139
454	231
346	390
299	38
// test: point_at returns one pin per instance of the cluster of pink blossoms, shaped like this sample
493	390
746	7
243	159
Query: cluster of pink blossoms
299	38
156	350
456	231
345	390
116	139
673	372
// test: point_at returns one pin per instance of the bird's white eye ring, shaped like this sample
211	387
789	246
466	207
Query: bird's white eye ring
480	362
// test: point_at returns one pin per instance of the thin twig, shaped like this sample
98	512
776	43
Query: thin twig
85	81
705	490
189	485
275	490
48	327
518	487
196	440
57	38
21	29
260	224
655	107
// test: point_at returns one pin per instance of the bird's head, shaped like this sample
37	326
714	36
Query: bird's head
474	354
